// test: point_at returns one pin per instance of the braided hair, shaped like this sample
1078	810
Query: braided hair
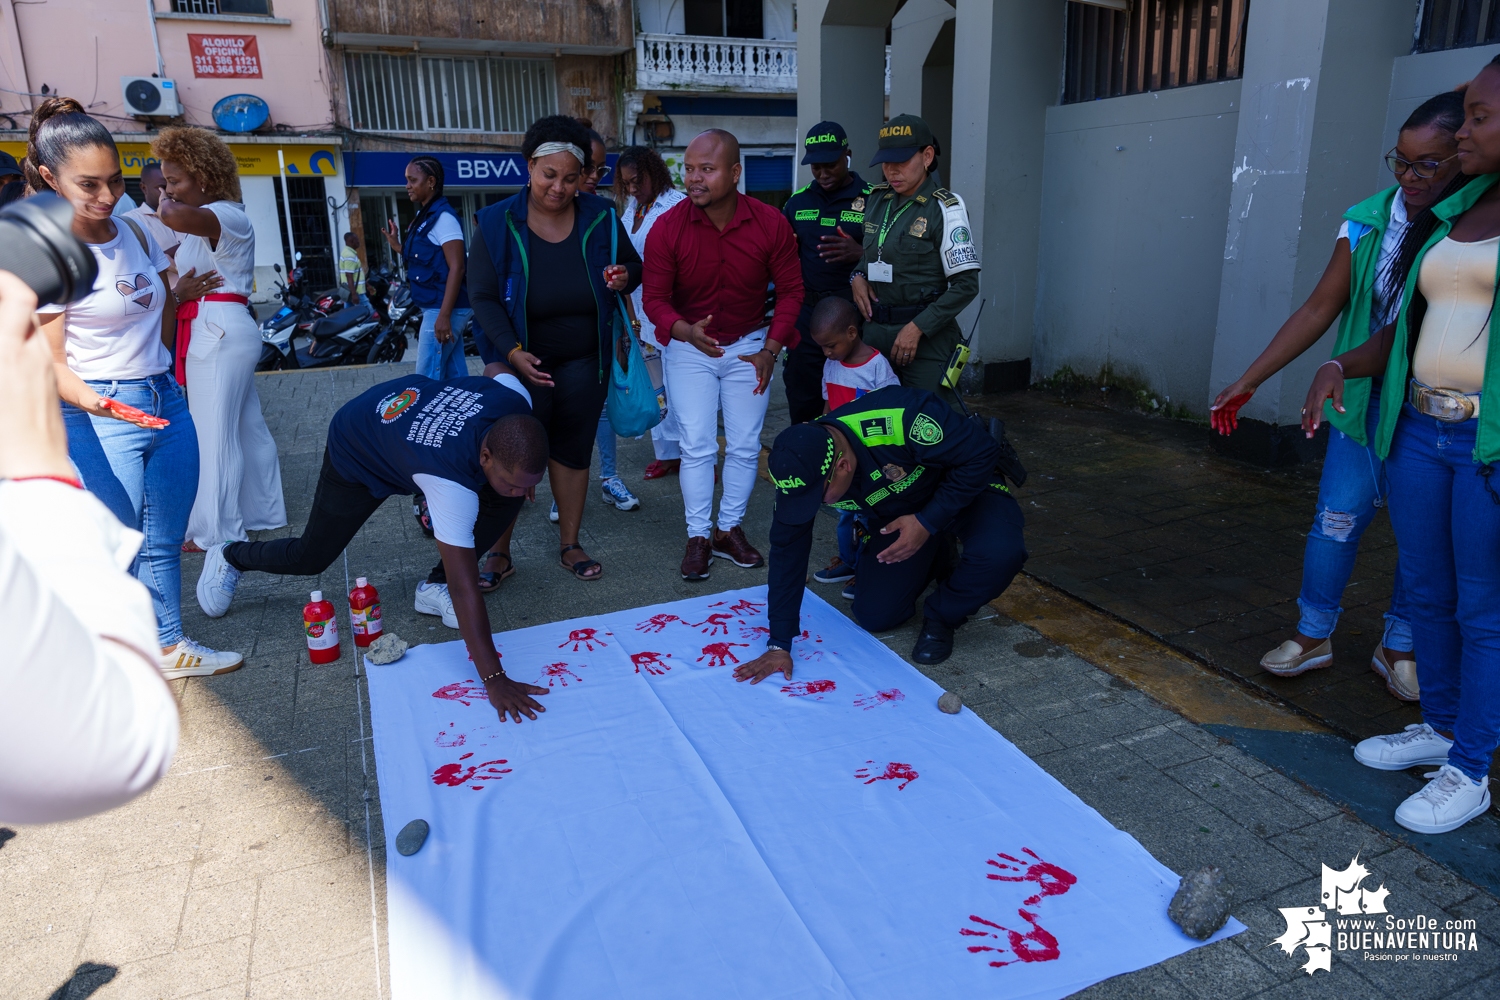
1446	113
432	167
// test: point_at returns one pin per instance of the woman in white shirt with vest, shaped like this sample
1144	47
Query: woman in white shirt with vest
239	479
129	431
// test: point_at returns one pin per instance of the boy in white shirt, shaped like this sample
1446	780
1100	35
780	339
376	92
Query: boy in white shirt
853	368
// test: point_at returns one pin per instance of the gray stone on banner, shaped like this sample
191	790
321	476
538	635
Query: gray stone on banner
1201	905
950	702
411	838
389	648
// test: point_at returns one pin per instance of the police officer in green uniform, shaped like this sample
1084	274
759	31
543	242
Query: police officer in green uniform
920	267
920	478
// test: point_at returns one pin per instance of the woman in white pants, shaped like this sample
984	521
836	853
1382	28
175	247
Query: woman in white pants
218	343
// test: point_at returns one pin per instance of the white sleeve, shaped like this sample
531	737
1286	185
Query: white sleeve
958	249
884	374
514	385
445	230
454	509
1344	233
824	379
87	722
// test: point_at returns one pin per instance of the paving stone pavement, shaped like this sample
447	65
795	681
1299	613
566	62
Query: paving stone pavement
256	867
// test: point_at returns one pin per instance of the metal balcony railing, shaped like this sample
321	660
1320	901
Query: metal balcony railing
700	62
696	62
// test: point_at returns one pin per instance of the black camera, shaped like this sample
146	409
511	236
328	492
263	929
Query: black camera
37	245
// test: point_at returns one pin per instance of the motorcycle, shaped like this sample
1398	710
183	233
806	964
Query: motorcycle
345	338
278	330
401	319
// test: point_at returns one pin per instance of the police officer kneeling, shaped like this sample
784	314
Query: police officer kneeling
920	477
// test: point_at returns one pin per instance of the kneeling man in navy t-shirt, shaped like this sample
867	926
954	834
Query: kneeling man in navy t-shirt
471	445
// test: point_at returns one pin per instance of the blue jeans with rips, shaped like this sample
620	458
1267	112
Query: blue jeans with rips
147	478
1446	510
1353	487
442	361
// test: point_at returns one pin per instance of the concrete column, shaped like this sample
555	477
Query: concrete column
914	30
841	71
1308	135
1006	72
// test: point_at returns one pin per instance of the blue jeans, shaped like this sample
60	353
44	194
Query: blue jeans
607	447
441	361
1352	488
1447	518
147	479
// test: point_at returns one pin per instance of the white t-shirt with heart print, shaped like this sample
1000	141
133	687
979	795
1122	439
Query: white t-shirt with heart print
115	332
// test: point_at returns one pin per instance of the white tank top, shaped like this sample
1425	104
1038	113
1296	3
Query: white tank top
1458	281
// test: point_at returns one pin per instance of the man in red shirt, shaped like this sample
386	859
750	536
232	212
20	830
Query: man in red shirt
708	263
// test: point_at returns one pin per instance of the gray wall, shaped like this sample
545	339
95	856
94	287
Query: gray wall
1415	78
1132	239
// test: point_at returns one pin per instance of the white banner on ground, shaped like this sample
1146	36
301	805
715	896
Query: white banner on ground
663	831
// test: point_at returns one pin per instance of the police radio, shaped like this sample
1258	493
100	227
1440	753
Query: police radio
960	355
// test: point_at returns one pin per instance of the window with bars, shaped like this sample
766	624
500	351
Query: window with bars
221	7
410	93
1154	45
1457	24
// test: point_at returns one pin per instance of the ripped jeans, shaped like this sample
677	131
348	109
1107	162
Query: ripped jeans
1352	487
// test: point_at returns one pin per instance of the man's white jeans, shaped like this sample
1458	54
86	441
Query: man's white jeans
698	387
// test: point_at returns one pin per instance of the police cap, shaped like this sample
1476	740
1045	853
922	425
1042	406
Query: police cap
826	142
901	138
799	463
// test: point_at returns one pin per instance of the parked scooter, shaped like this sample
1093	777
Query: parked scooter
345	338
278	330
402	319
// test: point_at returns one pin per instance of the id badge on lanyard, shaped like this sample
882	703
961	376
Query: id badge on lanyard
879	270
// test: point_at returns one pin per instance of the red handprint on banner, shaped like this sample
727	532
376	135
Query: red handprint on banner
869	701
745	607
717	624
894	771
1050	879
585	637
657	623
718	654
652	662
754	632
557	673
456	740
802	689
463	692
1036	945
454	775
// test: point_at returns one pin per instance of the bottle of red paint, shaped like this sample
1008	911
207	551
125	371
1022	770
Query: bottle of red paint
322	626
364	612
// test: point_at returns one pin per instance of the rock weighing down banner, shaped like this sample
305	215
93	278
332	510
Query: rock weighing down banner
666	832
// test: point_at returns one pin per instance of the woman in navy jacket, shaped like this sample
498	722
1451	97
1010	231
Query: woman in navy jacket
544	279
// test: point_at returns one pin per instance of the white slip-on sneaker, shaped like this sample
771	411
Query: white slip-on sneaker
552	516
433	599
1400	677
1289	659
193	659
1415	746
1445	803
217	582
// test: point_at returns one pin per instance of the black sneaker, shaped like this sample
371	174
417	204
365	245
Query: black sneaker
934	644
837	571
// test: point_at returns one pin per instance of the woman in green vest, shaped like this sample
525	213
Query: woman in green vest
1439	432
1356	283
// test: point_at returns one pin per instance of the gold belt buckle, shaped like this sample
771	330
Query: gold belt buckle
1447	405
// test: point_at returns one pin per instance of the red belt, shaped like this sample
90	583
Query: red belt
186	313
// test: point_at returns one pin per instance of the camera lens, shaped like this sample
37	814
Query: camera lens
37	245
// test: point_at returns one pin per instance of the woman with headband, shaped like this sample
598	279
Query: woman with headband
544	276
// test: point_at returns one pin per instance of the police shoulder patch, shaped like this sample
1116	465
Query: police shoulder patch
946	197
925	430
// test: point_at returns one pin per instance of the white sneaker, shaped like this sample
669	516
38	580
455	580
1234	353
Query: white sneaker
1416	746
551	514
1445	803
193	659
433	599
217	582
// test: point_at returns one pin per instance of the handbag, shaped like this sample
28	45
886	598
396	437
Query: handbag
631	401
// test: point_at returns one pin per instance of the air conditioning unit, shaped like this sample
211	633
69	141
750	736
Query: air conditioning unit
150	97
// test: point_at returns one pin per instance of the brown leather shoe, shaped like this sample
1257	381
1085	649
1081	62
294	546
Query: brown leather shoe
695	562
734	546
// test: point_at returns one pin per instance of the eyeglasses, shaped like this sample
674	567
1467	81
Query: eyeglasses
1424	169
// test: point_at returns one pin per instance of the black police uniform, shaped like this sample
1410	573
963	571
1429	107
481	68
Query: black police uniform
815	213
915	455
